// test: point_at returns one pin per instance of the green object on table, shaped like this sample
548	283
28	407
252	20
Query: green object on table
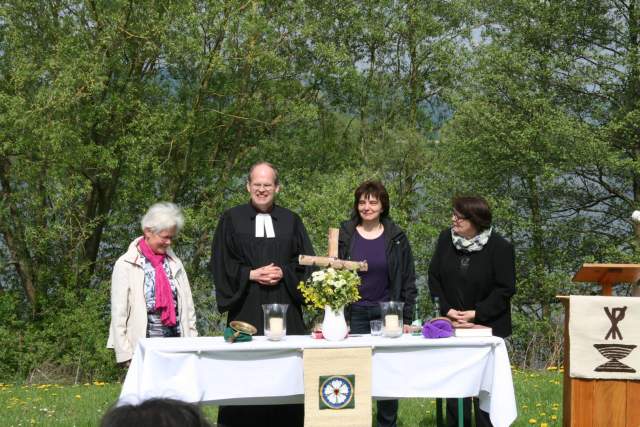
231	335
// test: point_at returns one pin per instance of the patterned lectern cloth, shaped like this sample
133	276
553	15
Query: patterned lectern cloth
337	387
604	336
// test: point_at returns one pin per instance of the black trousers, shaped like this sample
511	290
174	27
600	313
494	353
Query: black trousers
481	417
387	415
261	415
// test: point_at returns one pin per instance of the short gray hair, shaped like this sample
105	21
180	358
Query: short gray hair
163	216
276	178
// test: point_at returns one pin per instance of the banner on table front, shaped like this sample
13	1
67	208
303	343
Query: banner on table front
604	337
337	387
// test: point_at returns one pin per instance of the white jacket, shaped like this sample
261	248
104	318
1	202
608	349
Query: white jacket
128	305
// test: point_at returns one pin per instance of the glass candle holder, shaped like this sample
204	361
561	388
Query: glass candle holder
391	313
275	321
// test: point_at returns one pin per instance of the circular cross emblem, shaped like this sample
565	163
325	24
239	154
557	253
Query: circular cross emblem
336	392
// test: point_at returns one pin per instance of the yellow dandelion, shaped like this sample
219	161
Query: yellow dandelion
538	405
542	414
78	396
554	417
532	421
552	368
544	425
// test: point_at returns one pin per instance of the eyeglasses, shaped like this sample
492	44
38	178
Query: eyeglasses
166	238
267	187
458	217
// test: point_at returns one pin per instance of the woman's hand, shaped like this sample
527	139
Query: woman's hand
453	315
468	315
461	316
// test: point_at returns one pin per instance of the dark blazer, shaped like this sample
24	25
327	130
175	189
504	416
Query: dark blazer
402	275
483	281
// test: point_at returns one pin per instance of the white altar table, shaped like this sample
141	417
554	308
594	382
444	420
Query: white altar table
209	370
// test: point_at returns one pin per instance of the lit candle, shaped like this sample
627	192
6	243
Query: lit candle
391	323
276	329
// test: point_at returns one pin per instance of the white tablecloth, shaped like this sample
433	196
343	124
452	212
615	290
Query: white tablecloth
207	369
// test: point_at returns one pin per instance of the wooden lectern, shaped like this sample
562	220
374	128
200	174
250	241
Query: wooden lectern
608	403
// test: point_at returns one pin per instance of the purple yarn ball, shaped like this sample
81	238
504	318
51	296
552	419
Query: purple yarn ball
437	328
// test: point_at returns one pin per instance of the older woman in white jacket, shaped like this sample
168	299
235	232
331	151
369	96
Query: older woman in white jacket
150	292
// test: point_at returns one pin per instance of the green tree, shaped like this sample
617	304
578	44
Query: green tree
544	126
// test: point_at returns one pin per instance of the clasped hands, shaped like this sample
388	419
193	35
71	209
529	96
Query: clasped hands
268	275
461	319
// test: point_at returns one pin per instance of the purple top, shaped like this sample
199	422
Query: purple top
375	281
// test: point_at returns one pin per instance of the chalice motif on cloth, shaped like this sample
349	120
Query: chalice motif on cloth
614	352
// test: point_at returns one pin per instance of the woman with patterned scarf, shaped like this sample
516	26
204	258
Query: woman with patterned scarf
150	292
472	272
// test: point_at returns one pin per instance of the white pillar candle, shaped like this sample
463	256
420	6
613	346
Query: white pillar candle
391	322
276	327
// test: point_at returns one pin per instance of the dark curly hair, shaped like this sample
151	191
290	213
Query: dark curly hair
371	189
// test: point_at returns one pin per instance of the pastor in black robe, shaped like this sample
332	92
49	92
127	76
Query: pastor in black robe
236	251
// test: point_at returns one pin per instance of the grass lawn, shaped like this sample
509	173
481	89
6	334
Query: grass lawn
539	396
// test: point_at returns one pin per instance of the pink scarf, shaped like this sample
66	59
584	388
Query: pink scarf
164	296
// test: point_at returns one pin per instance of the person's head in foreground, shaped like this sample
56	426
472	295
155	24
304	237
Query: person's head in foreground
155	413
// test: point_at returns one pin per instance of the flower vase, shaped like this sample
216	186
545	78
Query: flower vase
334	327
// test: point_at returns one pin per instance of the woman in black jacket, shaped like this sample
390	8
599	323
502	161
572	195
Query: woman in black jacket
372	236
472	272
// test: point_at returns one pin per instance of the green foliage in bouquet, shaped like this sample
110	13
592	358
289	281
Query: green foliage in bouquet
331	287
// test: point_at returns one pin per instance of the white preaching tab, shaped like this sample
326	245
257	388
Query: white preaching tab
264	223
